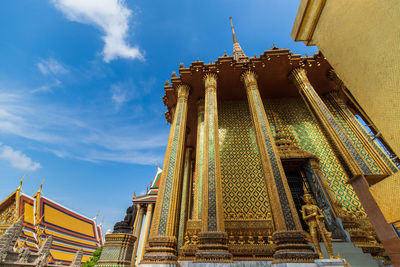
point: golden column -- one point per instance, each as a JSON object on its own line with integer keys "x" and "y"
{"x": 292, "y": 245}
{"x": 213, "y": 238}
{"x": 384, "y": 163}
{"x": 199, "y": 160}
{"x": 145, "y": 232}
{"x": 137, "y": 228}
{"x": 351, "y": 161}
{"x": 185, "y": 195}
{"x": 162, "y": 241}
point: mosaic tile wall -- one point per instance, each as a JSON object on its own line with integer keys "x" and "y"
{"x": 244, "y": 190}
{"x": 356, "y": 143}
{"x": 299, "y": 125}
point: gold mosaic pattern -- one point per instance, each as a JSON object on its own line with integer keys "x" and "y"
{"x": 352, "y": 137}
{"x": 243, "y": 186}
{"x": 297, "y": 123}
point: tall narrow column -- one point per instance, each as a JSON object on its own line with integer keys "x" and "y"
{"x": 162, "y": 241}
{"x": 137, "y": 231}
{"x": 185, "y": 195}
{"x": 292, "y": 245}
{"x": 191, "y": 194}
{"x": 352, "y": 163}
{"x": 380, "y": 158}
{"x": 213, "y": 238}
{"x": 199, "y": 160}
{"x": 145, "y": 232}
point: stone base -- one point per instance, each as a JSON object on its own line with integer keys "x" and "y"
{"x": 234, "y": 264}
{"x": 292, "y": 247}
{"x": 317, "y": 263}
{"x": 160, "y": 252}
{"x": 158, "y": 265}
{"x": 330, "y": 262}
{"x": 117, "y": 250}
{"x": 213, "y": 248}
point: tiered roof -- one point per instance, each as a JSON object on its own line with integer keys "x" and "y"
{"x": 43, "y": 217}
{"x": 151, "y": 194}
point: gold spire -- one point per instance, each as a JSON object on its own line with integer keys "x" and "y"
{"x": 233, "y": 31}
{"x": 20, "y": 182}
{"x": 238, "y": 53}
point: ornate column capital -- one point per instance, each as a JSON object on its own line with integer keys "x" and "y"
{"x": 210, "y": 81}
{"x": 183, "y": 91}
{"x": 249, "y": 78}
{"x": 299, "y": 76}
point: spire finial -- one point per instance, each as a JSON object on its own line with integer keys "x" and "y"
{"x": 237, "y": 50}
{"x": 41, "y": 186}
{"x": 20, "y": 182}
{"x": 233, "y": 31}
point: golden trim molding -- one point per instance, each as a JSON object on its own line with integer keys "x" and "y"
{"x": 306, "y": 20}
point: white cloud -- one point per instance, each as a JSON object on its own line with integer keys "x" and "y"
{"x": 118, "y": 95}
{"x": 112, "y": 16}
{"x": 18, "y": 159}
{"x": 51, "y": 66}
{"x": 91, "y": 133}
{"x": 46, "y": 88}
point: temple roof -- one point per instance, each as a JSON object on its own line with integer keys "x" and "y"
{"x": 272, "y": 69}
{"x": 151, "y": 194}
{"x": 43, "y": 217}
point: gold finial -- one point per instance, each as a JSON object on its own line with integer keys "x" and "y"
{"x": 134, "y": 195}
{"x": 156, "y": 164}
{"x": 97, "y": 215}
{"x": 233, "y": 31}
{"x": 41, "y": 186}
{"x": 20, "y": 182}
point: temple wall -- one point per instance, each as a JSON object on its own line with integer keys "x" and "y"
{"x": 361, "y": 48}
{"x": 353, "y": 138}
{"x": 244, "y": 190}
{"x": 361, "y": 43}
{"x": 299, "y": 125}
{"x": 242, "y": 175}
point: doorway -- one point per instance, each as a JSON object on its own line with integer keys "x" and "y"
{"x": 295, "y": 180}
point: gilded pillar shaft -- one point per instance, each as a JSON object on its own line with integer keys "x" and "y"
{"x": 378, "y": 155}
{"x": 352, "y": 162}
{"x": 290, "y": 241}
{"x": 137, "y": 218}
{"x": 137, "y": 231}
{"x": 162, "y": 242}
{"x": 283, "y": 209}
{"x": 212, "y": 213}
{"x": 184, "y": 211}
{"x": 199, "y": 161}
{"x": 191, "y": 195}
{"x": 145, "y": 231}
{"x": 213, "y": 238}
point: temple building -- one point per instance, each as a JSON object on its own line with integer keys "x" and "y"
{"x": 259, "y": 166}
{"x": 41, "y": 218}
{"x": 361, "y": 52}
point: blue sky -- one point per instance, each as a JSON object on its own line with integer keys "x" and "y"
{"x": 81, "y": 85}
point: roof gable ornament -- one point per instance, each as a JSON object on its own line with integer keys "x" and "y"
{"x": 238, "y": 53}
